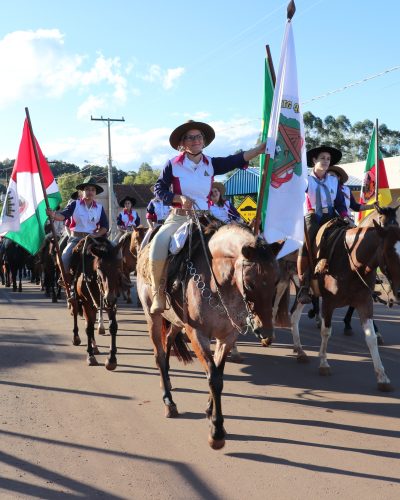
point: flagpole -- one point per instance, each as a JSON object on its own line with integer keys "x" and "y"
{"x": 266, "y": 163}
{"x": 376, "y": 162}
{"x": 57, "y": 247}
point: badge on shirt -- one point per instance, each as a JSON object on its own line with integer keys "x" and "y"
{"x": 206, "y": 173}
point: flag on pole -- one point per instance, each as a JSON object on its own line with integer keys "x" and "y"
{"x": 368, "y": 195}
{"x": 24, "y": 210}
{"x": 267, "y": 105}
{"x": 287, "y": 164}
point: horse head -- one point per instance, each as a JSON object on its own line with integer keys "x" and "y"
{"x": 257, "y": 273}
{"x": 106, "y": 265}
{"x": 387, "y": 215}
{"x": 137, "y": 237}
{"x": 389, "y": 261}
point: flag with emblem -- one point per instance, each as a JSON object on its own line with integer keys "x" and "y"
{"x": 368, "y": 190}
{"x": 24, "y": 210}
{"x": 287, "y": 158}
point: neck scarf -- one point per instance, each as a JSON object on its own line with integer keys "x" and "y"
{"x": 318, "y": 204}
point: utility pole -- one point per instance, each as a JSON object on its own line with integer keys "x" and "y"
{"x": 110, "y": 177}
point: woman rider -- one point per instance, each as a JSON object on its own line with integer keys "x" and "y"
{"x": 185, "y": 183}
{"x": 220, "y": 208}
{"x": 323, "y": 198}
{"x": 347, "y": 194}
{"x": 128, "y": 218}
{"x": 86, "y": 217}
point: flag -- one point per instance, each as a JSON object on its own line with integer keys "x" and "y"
{"x": 368, "y": 195}
{"x": 268, "y": 96}
{"x": 287, "y": 164}
{"x": 24, "y": 210}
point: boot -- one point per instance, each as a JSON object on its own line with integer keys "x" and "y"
{"x": 304, "y": 277}
{"x": 158, "y": 282}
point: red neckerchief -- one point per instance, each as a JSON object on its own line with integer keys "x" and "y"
{"x": 129, "y": 214}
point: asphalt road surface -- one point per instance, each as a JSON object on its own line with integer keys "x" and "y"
{"x": 72, "y": 431}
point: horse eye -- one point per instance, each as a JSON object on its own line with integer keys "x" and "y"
{"x": 249, "y": 286}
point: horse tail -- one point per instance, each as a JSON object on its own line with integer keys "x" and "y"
{"x": 181, "y": 350}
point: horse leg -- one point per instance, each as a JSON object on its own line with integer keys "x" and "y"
{"x": 111, "y": 361}
{"x": 384, "y": 384}
{"x": 90, "y": 317}
{"x": 20, "y": 279}
{"x": 236, "y": 357}
{"x": 100, "y": 321}
{"x": 379, "y": 337}
{"x": 297, "y": 347}
{"x": 348, "y": 330}
{"x": 76, "y": 340}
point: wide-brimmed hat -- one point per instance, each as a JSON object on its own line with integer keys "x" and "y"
{"x": 340, "y": 172}
{"x": 176, "y": 136}
{"x": 219, "y": 186}
{"x": 89, "y": 181}
{"x": 74, "y": 195}
{"x": 336, "y": 155}
{"x": 127, "y": 198}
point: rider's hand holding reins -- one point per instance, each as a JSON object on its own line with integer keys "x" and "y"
{"x": 185, "y": 201}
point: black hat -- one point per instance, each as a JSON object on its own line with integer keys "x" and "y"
{"x": 127, "y": 198}
{"x": 74, "y": 195}
{"x": 340, "y": 172}
{"x": 176, "y": 136}
{"x": 336, "y": 155}
{"x": 89, "y": 181}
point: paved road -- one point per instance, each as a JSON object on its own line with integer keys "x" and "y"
{"x": 70, "y": 431}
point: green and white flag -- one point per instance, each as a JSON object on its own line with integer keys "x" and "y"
{"x": 287, "y": 164}
{"x": 24, "y": 210}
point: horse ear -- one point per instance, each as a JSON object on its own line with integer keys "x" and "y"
{"x": 379, "y": 229}
{"x": 276, "y": 247}
{"x": 248, "y": 252}
{"x": 377, "y": 207}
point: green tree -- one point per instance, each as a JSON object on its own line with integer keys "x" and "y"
{"x": 67, "y": 185}
{"x": 130, "y": 178}
{"x": 146, "y": 174}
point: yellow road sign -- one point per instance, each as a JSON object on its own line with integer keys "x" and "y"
{"x": 247, "y": 209}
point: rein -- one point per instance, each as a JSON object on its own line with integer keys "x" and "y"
{"x": 374, "y": 294}
{"x": 202, "y": 286}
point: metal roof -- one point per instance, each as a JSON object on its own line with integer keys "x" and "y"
{"x": 246, "y": 182}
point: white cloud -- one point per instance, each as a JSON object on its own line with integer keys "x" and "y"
{"x": 167, "y": 78}
{"x": 90, "y": 106}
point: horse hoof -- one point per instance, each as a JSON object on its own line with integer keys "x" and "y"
{"x": 385, "y": 387}
{"x": 92, "y": 361}
{"x": 311, "y": 314}
{"x": 236, "y": 358}
{"x": 101, "y": 331}
{"x": 95, "y": 349}
{"x": 111, "y": 365}
{"x": 324, "y": 371}
{"x": 302, "y": 358}
{"x": 216, "y": 444}
{"x": 379, "y": 340}
{"x": 266, "y": 342}
{"x": 76, "y": 341}
{"x": 171, "y": 411}
{"x": 348, "y": 330}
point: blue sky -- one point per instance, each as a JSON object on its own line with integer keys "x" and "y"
{"x": 160, "y": 63}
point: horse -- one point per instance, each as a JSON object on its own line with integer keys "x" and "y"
{"x": 130, "y": 246}
{"x": 227, "y": 286}
{"x": 350, "y": 280}
{"x": 51, "y": 271}
{"x": 14, "y": 258}
{"x": 97, "y": 269}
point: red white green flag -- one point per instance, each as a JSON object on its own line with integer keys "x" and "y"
{"x": 368, "y": 190}
{"x": 24, "y": 211}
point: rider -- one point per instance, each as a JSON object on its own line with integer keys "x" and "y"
{"x": 156, "y": 212}
{"x": 128, "y": 218}
{"x": 323, "y": 197}
{"x": 87, "y": 218}
{"x": 220, "y": 208}
{"x": 190, "y": 176}
{"x": 348, "y": 195}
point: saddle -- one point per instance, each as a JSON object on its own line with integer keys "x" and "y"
{"x": 326, "y": 240}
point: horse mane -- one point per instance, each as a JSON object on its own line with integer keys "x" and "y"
{"x": 99, "y": 247}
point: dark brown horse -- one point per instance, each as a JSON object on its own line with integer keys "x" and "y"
{"x": 351, "y": 281}
{"x": 98, "y": 277}
{"x": 130, "y": 246}
{"x": 218, "y": 296}
{"x": 50, "y": 269}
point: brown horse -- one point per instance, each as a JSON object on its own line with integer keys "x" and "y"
{"x": 220, "y": 293}
{"x": 98, "y": 278}
{"x": 351, "y": 281}
{"x": 130, "y": 246}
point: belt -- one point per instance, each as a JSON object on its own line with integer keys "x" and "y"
{"x": 161, "y": 221}
{"x": 181, "y": 211}
{"x": 78, "y": 234}
{"x": 325, "y": 210}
